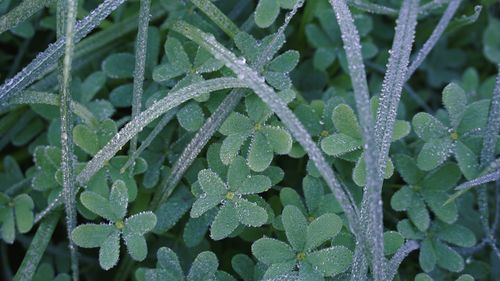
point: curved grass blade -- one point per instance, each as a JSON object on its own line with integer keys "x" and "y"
{"x": 22, "y": 12}
{"x": 37, "y": 247}
{"x": 44, "y": 59}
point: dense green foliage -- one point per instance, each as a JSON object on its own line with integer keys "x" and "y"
{"x": 249, "y": 140}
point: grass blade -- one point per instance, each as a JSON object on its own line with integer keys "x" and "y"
{"x": 22, "y": 12}
{"x": 44, "y": 59}
{"x": 37, "y": 247}
{"x": 433, "y": 39}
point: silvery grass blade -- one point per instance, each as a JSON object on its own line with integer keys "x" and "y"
{"x": 372, "y": 8}
{"x": 392, "y": 87}
{"x": 217, "y": 16}
{"x": 433, "y": 39}
{"x": 22, "y": 12}
{"x": 256, "y": 82}
{"x": 34, "y": 69}
{"x": 37, "y": 248}
{"x": 172, "y": 100}
{"x": 352, "y": 46}
{"x": 67, "y": 14}
{"x": 399, "y": 256}
{"x": 140, "y": 65}
{"x": 466, "y": 186}
{"x": 488, "y": 153}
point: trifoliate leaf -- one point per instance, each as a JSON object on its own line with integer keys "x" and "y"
{"x": 427, "y": 127}
{"x": 250, "y": 213}
{"x": 345, "y": 121}
{"x": 392, "y": 241}
{"x": 224, "y": 223}
{"x": 320, "y": 230}
{"x": 434, "y": 153}
{"x": 331, "y": 261}
{"x": 455, "y": 102}
{"x": 119, "y": 65}
{"x": 266, "y": 12}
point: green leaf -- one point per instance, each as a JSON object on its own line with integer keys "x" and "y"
{"x": 427, "y": 257}
{"x": 260, "y": 153}
{"x": 279, "y": 139}
{"x": 320, "y": 230}
{"x": 140, "y": 223}
{"x": 191, "y": 116}
{"x": 23, "y": 208}
{"x": 289, "y": 196}
{"x": 118, "y": 199}
{"x": 254, "y": 185}
{"x": 285, "y": 62}
{"x": 109, "y": 252}
{"x": 136, "y": 246}
{"x": 119, "y": 65}
{"x": 467, "y": 160}
{"x": 92, "y": 235}
{"x": 359, "y": 171}
{"x": 331, "y": 261}
{"x": 211, "y": 183}
{"x": 418, "y": 214}
{"x": 271, "y": 251}
{"x": 167, "y": 260}
{"x": 224, "y": 223}
{"x": 455, "y": 102}
{"x": 434, "y": 153}
{"x": 491, "y": 41}
{"x": 427, "y": 127}
{"x": 407, "y": 168}
{"x": 266, "y": 12}
{"x": 176, "y": 54}
{"x": 173, "y": 209}
{"x": 392, "y": 241}
{"x": 250, "y": 213}
{"x": 166, "y": 72}
{"x": 236, "y": 123}
{"x": 457, "y": 234}
{"x": 448, "y": 258}
{"x": 8, "y": 226}
{"x": 86, "y": 139}
{"x": 475, "y": 117}
{"x": 203, "y": 267}
{"x": 442, "y": 179}
{"x": 339, "y": 144}
{"x": 423, "y": 277}
{"x": 98, "y": 205}
{"x": 465, "y": 277}
{"x": 345, "y": 121}
{"x": 231, "y": 146}
{"x": 437, "y": 203}
{"x": 401, "y": 200}
{"x": 295, "y": 227}
{"x": 205, "y": 203}
{"x": 313, "y": 192}
{"x": 401, "y": 129}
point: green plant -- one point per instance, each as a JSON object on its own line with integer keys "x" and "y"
{"x": 250, "y": 140}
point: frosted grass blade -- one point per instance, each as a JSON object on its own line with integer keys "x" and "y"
{"x": 218, "y": 17}
{"x": 37, "y": 247}
{"x": 67, "y": 15}
{"x": 44, "y": 59}
{"x": 399, "y": 256}
{"x": 140, "y": 64}
{"x": 136, "y": 125}
{"x": 22, "y": 12}
{"x": 433, "y": 39}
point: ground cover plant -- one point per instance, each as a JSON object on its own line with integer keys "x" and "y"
{"x": 249, "y": 140}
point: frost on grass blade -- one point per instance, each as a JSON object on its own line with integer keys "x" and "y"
{"x": 46, "y": 58}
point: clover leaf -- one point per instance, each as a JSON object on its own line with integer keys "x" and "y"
{"x": 267, "y": 11}
{"x": 316, "y": 201}
{"x": 301, "y": 252}
{"x": 265, "y": 139}
{"x": 425, "y": 191}
{"x": 434, "y": 244}
{"x": 106, "y": 236}
{"x": 454, "y": 136}
{"x": 203, "y": 268}
{"x": 348, "y": 142}
{"x": 230, "y": 199}
{"x": 276, "y": 71}
{"x": 425, "y": 277}
{"x": 15, "y": 213}
{"x": 491, "y": 40}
